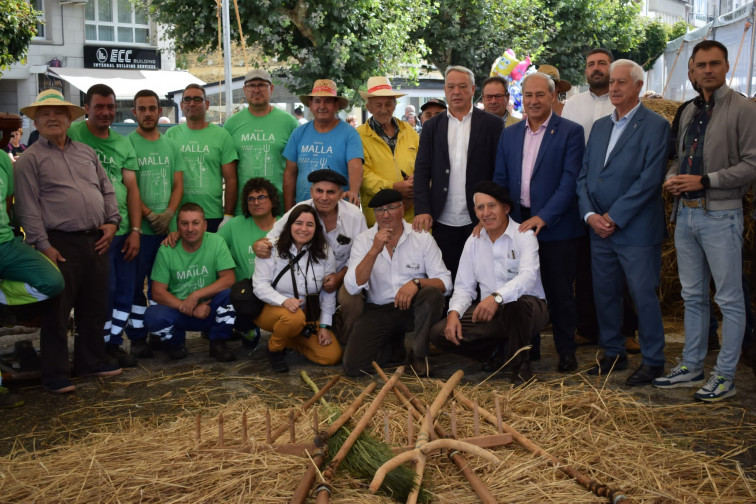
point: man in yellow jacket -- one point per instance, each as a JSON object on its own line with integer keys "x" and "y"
{"x": 390, "y": 147}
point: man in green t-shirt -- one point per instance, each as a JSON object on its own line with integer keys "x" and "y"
{"x": 26, "y": 276}
{"x": 210, "y": 159}
{"x": 260, "y": 134}
{"x": 119, "y": 161}
{"x": 161, "y": 186}
{"x": 191, "y": 283}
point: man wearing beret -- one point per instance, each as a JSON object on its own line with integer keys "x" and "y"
{"x": 503, "y": 265}
{"x": 405, "y": 280}
{"x": 342, "y": 223}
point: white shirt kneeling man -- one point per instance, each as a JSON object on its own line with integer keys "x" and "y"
{"x": 503, "y": 262}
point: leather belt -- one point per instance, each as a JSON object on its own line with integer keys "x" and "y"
{"x": 694, "y": 203}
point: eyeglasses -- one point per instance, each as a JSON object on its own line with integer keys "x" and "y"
{"x": 190, "y": 99}
{"x": 387, "y": 209}
{"x": 260, "y": 199}
{"x": 490, "y": 97}
{"x": 257, "y": 87}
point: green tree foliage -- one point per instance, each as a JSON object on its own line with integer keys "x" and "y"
{"x": 18, "y": 27}
{"x": 474, "y": 33}
{"x": 344, "y": 40}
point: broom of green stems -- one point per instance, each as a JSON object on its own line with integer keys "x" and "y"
{"x": 367, "y": 455}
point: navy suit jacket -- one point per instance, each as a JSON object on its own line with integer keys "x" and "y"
{"x": 554, "y": 179}
{"x": 629, "y": 184}
{"x": 431, "y": 183}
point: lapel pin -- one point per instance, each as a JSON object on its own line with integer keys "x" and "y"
{"x": 552, "y": 132}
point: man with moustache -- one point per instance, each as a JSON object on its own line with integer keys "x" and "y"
{"x": 390, "y": 148}
{"x": 117, "y": 156}
{"x": 619, "y": 193}
{"x": 260, "y": 134}
{"x": 457, "y": 150}
{"x": 538, "y": 161}
{"x": 209, "y": 158}
{"x": 590, "y": 106}
{"x": 70, "y": 215}
{"x": 161, "y": 187}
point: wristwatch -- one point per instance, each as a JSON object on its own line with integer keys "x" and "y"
{"x": 705, "y": 182}
{"x": 137, "y": 229}
{"x": 497, "y": 297}
{"x": 416, "y": 281}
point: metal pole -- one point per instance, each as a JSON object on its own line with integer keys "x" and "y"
{"x": 749, "y": 92}
{"x": 227, "y": 56}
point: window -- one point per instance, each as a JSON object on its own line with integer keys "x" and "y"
{"x": 39, "y": 5}
{"x": 116, "y": 21}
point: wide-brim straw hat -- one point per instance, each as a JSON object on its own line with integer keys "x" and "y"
{"x": 327, "y": 88}
{"x": 562, "y": 86}
{"x": 380, "y": 86}
{"x": 52, "y": 98}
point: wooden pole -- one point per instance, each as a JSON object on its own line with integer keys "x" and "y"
{"x": 300, "y": 494}
{"x": 323, "y": 492}
{"x": 296, "y": 414}
{"x": 740, "y": 47}
{"x": 592, "y": 485}
{"x": 418, "y": 411}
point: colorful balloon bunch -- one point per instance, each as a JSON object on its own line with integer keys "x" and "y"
{"x": 511, "y": 68}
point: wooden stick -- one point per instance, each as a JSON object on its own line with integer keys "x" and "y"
{"x": 416, "y": 407}
{"x": 292, "y": 431}
{"x": 592, "y": 485}
{"x": 454, "y": 419}
{"x": 315, "y": 421}
{"x": 420, "y": 453}
{"x": 425, "y": 431}
{"x": 410, "y": 428}
{"x": 386, "y": 432}
{"x": 323, "y": 491}
{"x": 303, "y": 489}
{"x": 306, "y": 378}
{"x": 220, "y": 430}
{"x": 476, "y": 419}
{"x": 268, "y": 439}
{"x": 499, "y": 426}
{"x": 318, "y": 396}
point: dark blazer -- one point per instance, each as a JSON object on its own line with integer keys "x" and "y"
{"x": 628, "y": 185}
{"x": 554, "y": 180}
{"x": 431, "y": 182}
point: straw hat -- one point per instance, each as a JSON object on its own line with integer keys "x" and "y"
{"x": 380, "y": 86}
{"x": 327, "y": 88}
{"x": 562, "y": 86}
{"x": 52, "y": 98}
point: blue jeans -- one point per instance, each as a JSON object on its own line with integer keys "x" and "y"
{"x": 171, "y": 325}
{"x": 709, "y": 244}
{"x": 146, "y": 258}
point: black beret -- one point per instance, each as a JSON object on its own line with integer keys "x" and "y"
{"x": 495, "y": 191}
{"x": 327, "y": 175}
{"x": 432, "y": 101}
{"x": 385, "y": 197}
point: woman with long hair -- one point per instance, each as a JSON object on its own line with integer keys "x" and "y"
{"x": 297, "y": 310}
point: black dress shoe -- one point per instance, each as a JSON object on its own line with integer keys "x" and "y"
{"x": 644, "y": 375}
{"x": 278, "y": 362}
{"x": 521, "y": 374}
{"x": 496, "y": 360}
{"x": 567, "y": 363}
{"x": 607, "y": 364}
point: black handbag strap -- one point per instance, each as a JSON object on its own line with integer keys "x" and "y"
{"x": 288, "y": 267}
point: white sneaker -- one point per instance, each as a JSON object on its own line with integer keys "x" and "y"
{"x": 679, "y": 376}
{"x": 717, "y": 388}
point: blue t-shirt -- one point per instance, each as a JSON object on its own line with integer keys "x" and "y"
{"x": 317, "y": 151}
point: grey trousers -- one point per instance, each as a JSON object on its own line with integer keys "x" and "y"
{"x": 514, "y": 323}
{"x": 382, "y": 325}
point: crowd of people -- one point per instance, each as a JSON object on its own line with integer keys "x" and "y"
{"x": 474, "y": 234}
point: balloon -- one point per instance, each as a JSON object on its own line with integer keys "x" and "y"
{"x": 519, "y": 71}
{"x": 505, "y": 63}
{"x": 515, "y": 96}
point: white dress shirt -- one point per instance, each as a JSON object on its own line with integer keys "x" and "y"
{"x": 455, "y": 211}
{"x": 266, "y": 270}
{"x": 586, "y": 108}
{"x": 416, "y": 256}
{"x": 509, "y": 266}
{"x": 349, "y": 223}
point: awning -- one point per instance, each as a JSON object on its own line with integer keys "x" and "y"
{"x": 126, "y": 83}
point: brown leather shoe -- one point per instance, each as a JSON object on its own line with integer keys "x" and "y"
{"x": 631, "y": 345}
{"x": 582, "y": 340}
